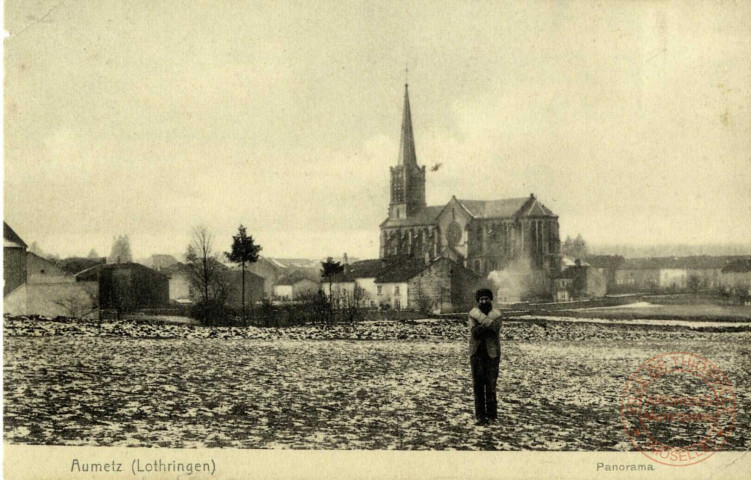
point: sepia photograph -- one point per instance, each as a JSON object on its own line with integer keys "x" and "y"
{"x": 376, "y": 239}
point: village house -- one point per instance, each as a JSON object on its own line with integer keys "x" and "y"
{"x": 74, "y": 265}
{"x": 272, "y": 269}
{"x": 254, "y": 287}
{"x": 160, "y": 261}
{"x": 563, "y": 286}
{"x": 179, "y": 284}
{"x": 41, "y": 270}
{"x": 268, "y": 269}
{"x": 609, "y": 265}
{"x": 39, "y": 286}
{"x": 441, "y": 285}
{"x": 638, "y": 275}
{"x": 671, "y": 273}
{"x": 735, "y": 278}
{"x": 14, "y": 260}
{"x": 128, "y": 286}
{"x": 294, "y": 286}
{"x": 706, "y": 270}
{"x": 182, "y": 292}
{"x": 580, "y": 281}
{"x": 356, "y": 282}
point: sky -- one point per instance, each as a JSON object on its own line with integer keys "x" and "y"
{"x": 630, "y": 120}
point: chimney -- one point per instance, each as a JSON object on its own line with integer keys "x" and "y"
{"x": 346, "y": 261}
{"x": 578, "y": 262}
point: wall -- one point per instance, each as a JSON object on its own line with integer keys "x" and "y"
{"x": 270, "y": 273}
{"x": 638, "y": 279}
{"x": 597, "y": 282}
{"x": 454, "y": 213}
{"x": 431, "y": 289}
{"x": 304, "y": 287}
{"x": 282, "y": 292}
{"x": 53, "y": 299}
{"x": 708, "y": 277}
{"x": 130, "y": 286}
{"x": 179, "y": 287}
{"x": 562, "y": 295}
{"x": 674, "y": 278}
{"x": 734, "y": 281}
{"x": 494, "y": 243}
{"x": 339, "y": 288}
{"x": 14, "y": 268}
{"x": 41, "y": 270}
{"x": 397, "y": 301}
{"x": 443, "y": 287}
{"x": 254, "y": 287}
{"x": 369, "y": 291}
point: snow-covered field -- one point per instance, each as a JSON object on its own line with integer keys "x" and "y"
{"x": 381, "y": 385}
{"x": 677, "y": 312}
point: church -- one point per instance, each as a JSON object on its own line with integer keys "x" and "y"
{"x": 482, "y": 235}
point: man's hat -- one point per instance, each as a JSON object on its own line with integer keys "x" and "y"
{"x": 484, "y": 292}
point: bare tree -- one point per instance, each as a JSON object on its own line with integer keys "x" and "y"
{"x": 78, "y": 304}
{"x": 205, "y": 272}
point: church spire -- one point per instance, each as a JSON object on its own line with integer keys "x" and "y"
{"x": 407, "y": 155}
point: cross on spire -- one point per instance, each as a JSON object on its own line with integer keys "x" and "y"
{"x": 406, "y": 75}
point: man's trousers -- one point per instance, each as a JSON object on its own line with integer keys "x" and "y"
{"x": 484, "y": 381}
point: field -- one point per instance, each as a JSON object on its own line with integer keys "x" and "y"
{"x": 643, "y": 309}
{"x": 379, "y": 385}
{"x": 647, "y": 310}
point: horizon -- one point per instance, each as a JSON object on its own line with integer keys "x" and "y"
{"x": 286, "y": 120}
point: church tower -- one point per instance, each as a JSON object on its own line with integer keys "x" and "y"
{"x": 407, "y": 178}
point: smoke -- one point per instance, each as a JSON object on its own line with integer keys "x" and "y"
{"x": 514, "y": 283}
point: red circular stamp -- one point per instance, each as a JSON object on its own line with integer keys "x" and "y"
{"x": 678, "y": 408}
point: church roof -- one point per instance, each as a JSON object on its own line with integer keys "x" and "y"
{"x": 507, "y": 207}
{"x": 503, "y": 208}
{"x": 426, "y": 216}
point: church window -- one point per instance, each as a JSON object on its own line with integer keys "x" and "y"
{"x": 477, "y": 266}
{"x": 454, "y": 234}
{"x": 380, "y": 289}
{"x": 396, "y": 290}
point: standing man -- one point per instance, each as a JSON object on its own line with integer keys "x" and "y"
{"x": 484, "y": 355}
